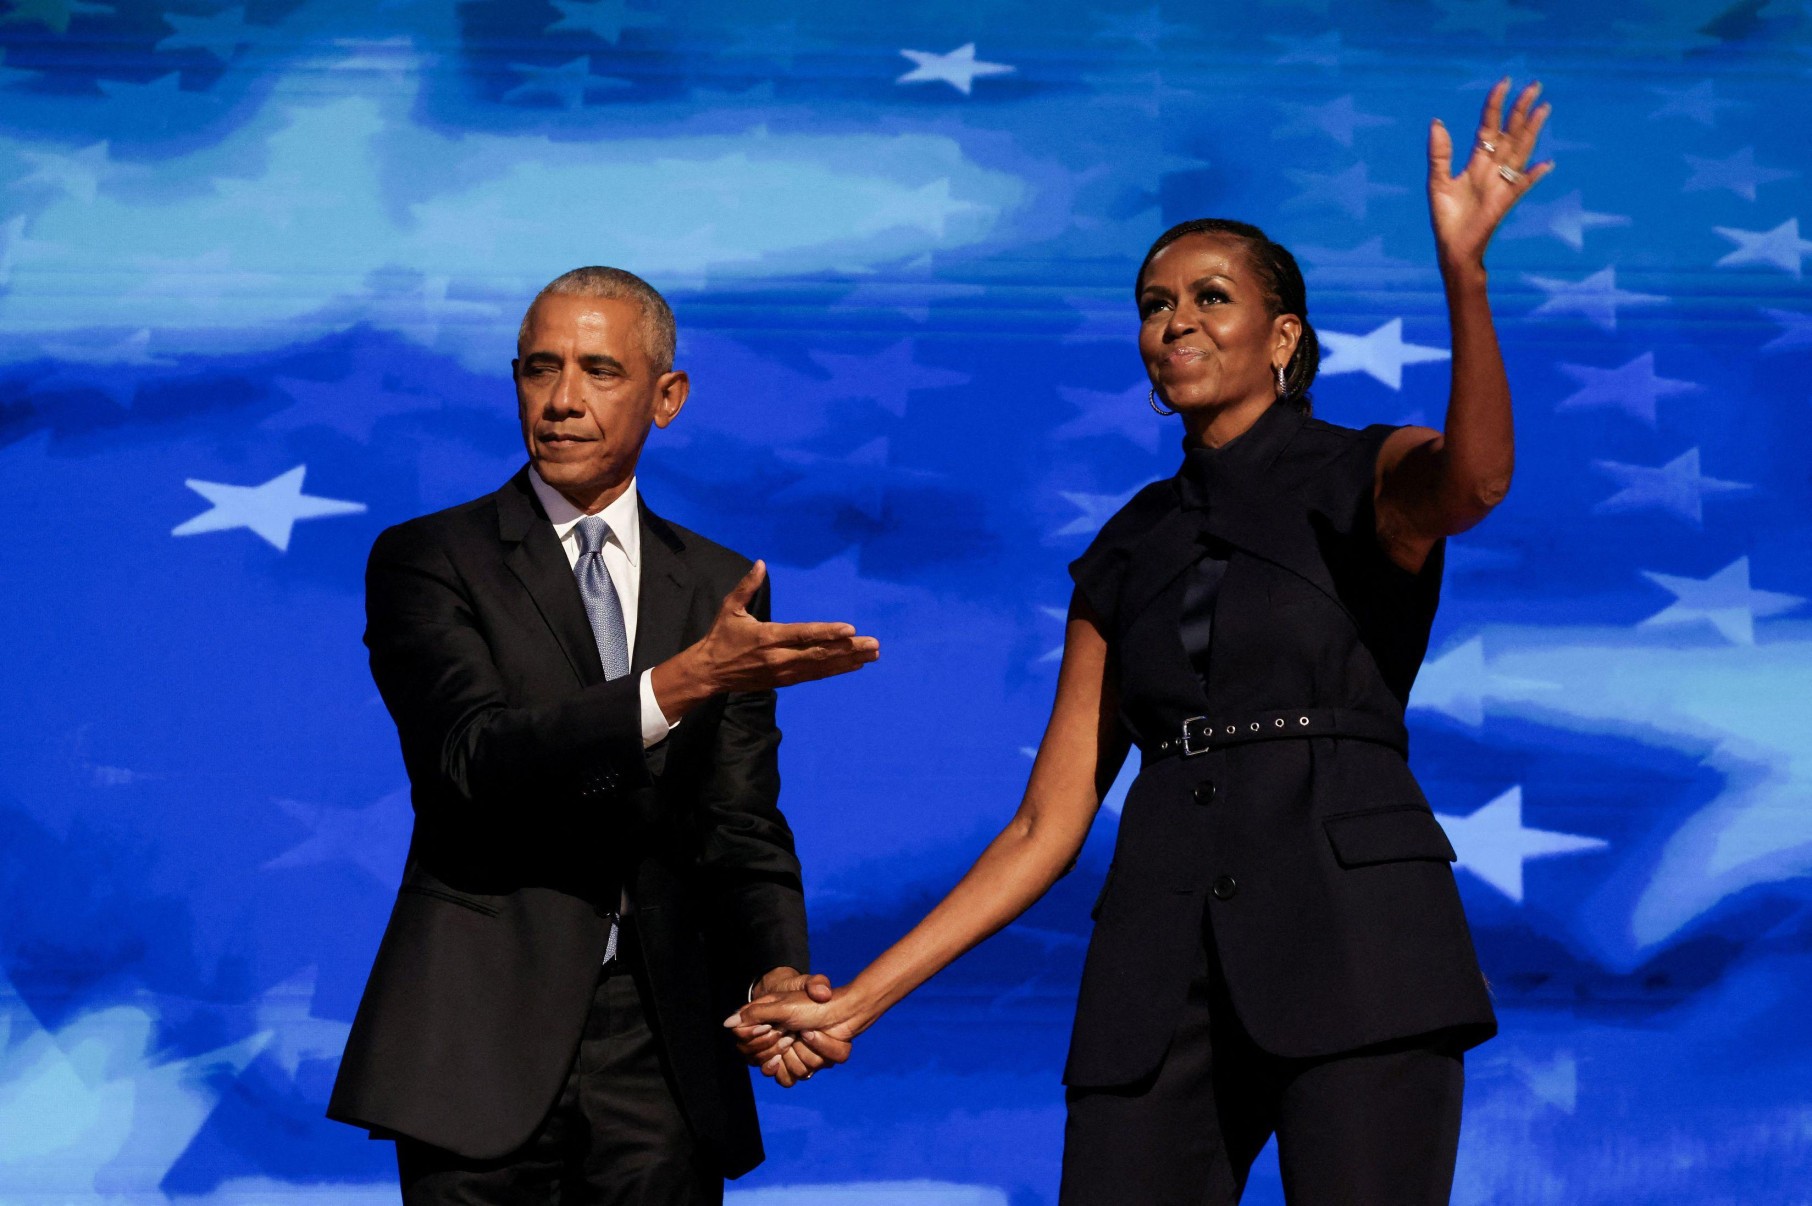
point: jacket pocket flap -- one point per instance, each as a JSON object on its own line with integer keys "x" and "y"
{"x": 1387, "y": 835}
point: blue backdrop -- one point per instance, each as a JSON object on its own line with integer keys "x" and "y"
{"x": 260, "y": 269}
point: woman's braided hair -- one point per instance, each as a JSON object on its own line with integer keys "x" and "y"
{"x": 1284, "y": 290}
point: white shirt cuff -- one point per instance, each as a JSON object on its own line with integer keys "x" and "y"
{"x": 654, "y": 725}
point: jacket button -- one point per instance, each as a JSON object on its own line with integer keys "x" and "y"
{"x": 1204, "y": 792}
{"x": 1226, "y": 888}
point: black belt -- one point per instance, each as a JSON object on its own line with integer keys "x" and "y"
{"x": 1200, "y": 734}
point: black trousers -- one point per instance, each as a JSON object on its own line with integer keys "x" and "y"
{"x": 1375, "y": 1127}
{"x": 615, "y": 1136}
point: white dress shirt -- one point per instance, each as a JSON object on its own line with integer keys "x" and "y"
{"x": 623, "y": 558}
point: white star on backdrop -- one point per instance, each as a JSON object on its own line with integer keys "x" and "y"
{"x": 959, "y": 68}
{"x": 1126, "y": 414}
{"x": 1380, "y": 354}
{"x": 1458, "y": 683}
{"x": 271, "y": 510}
{"x": 1494, "y": 844}
{"x": 1368, "y": 256}
{"x": 286, "y": 1014}
{"x": 1055, "y": 652}
{"x": 1676, "y": 487}
{"x": 374, "y": 838}
{"x": 52, "y": 14}
{"x": 887, "y": 377}
{"x": 1564, "y": 218}
{"x": 605, "y": 18}
{"x": 1632, "y": 388}
{"x": 1700, "y": 102}
{"x": 1778, "y": 248}
{"x": 1725, "y": 600}
{"x": 568, "y": 83}
{"x": 1595, "y": 298}
{"x": 1796, "y": 330}
{"x": 77, "y": 173}
{"x": 1096, "y": 510}
{"x": 220, "y": 34}
{"x": 1339, "y": 119}
{"x": 929, "y": 208}
{"x": 1554, "y": 1082}
{"x": 1740, "y": 173}
{"x": 1348, "y": 191}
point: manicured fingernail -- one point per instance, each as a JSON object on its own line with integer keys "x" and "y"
{"x": 734, "y": 1019}
{"x": 785, "y": 1042}
{"x": 809, "y": 1035}
{"x": 771, "y": 1064}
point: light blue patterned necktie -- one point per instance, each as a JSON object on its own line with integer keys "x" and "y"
{"x": 605, "y": 611}
{"x": 602, "y": 607}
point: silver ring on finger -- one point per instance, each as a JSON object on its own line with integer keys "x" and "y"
{"x": 1489, "y": 147}
{"x": 1511, "y": 176}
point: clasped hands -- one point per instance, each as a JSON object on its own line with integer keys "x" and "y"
{"x": 791, "y": 1028}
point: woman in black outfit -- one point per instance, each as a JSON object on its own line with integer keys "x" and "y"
{"x": 1279, "y": 947}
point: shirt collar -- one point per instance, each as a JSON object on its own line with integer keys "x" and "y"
{"x": 624, "y": 515}
{"x": 1251, "y": 451}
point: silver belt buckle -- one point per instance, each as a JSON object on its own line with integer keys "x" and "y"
{"x": 1196, "y": 734}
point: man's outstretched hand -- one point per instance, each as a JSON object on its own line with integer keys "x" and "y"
{"x": 742, "y": 653}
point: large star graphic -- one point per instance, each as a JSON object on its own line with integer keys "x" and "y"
{"x": 1725, "y": 600}
{"x": 1595, "y": 298}
{"x": 568, "y": 83}
{"x": 285, "y": 1014}
{"x": 1148, "y": 27}
{"x": 1676, "y": 487}
{"x": 1459, "y": 683}
{"x": 1126, "y": 413}
{"x": 1740, "y": 173}
{"x": 860, "y": 480}
{"x": 959, "y": 68}
{"x": 1339, "y": 119}
{"x": 374, "y": 838}
{"x": 1778, "y": 248}
{"x": 271, "y": 510}
{"x": 1700, "y": 103}
{"x": 1796, "y": 330}
{"x": 1564, "y": 218}
{"x": 1494, "y": 844}
{"x": 1096, "y": 510}
{"x": 605, "y": 18}
{"x": 77, "y": 173}
{"x": 220, "y": 34}
{"x": 1632, "y": 388}
{"x": 1380, "y": 354}
{"x": 1349, "y": 191}
{"x": 887, "y": 377}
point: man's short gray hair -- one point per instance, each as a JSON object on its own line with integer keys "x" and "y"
{"x": 659, "y": 334}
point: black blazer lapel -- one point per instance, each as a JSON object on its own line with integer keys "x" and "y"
{"x": 664, "y": 603}
{"x": 533, "y": 553}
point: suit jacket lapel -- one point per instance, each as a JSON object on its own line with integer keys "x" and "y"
{"x": 664, "y": 604}
{"x": 533, "y": 553}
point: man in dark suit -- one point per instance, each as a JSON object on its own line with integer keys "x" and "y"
{"x": 599, "y": 871}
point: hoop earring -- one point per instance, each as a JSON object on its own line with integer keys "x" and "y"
{"x": 1151, "y": 399}
{"x": 1283, "y": 387}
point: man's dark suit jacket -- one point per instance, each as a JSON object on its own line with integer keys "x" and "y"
{"x": 534, "y": 804}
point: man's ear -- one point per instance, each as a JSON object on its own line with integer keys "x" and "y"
{"x": 515, "y": 369}
{"x": 670, "y": 396}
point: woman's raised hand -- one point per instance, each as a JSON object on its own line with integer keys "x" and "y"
{"x": 1467, "y": 208}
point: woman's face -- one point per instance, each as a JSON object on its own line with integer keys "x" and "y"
{"x": 1206, "y": 332}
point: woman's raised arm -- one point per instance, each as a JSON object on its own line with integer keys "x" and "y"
{"x": 1432, "y": 484}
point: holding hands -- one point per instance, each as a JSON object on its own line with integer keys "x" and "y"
{"x": 795, "y": 1027}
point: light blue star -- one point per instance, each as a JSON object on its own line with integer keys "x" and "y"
{"x": 271, "y": 510}
{"x": 1725, "y": 601}
{"x": 374, "y": 838}
{"x": 1368, "y": 256}
{"x": 1676, "y": 487}
{"x": 75, "y": 173}
{"x": 1459, "y": 683}
{"x": 1148, "y": 28}
{"x": 959, "y": 68}
{"x": 1349, "y": 191}
{"x": 1595, "y": 298}
{"x": 859, "y": 481}
{"x": 1490, "y": 17}
{"x": 1796, "y": 330}
{"x": 1322, "y": 50}
{"x": 1494, "y": 844}
{"x": 929, "y": 208}
{"x": 1564, "y": 218}
{"x": 606, "y": 19}
{"x": 285, "y": 1013}
{"x": 568, "y": 83}
{"x": 1380, "y": 354}
{"x": 1145, "y": 91}
{"x": 96, "y": 368}
{"x": 353, "y": 404}
{"x": 1339, "y": 119}
{"x": 1778, "y": 248}
{"x": 1700, "y": 102}
{"x": 1096, "y": 510}
{"x": 1632, "y": 388}
{"x": 1740, "y": 174}
{"x": 220, "y": 34}
{"x": 887, "y": 377}
{"x": 52, "y": 14}
{"x": 1126, "y": 414}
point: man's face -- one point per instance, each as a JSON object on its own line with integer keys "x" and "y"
{"x": 586, "y": 392}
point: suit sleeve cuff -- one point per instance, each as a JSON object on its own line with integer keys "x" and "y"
{"x": 654, "y": 724}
